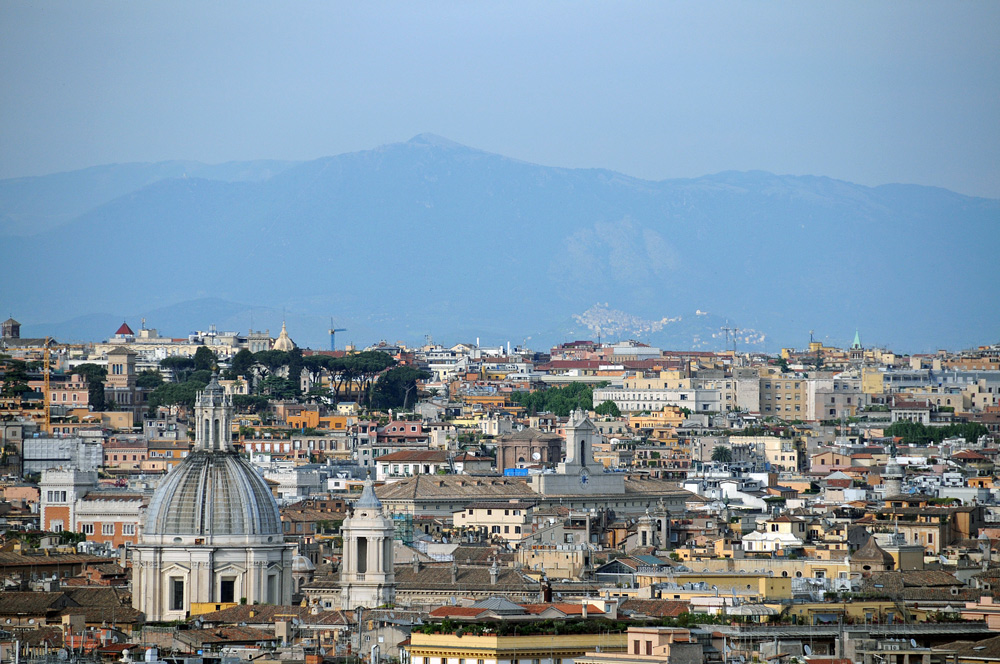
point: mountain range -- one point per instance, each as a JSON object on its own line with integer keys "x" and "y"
{"x": 429, "y": 237}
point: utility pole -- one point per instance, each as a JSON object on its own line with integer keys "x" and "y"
{"x": 47, "y": 396}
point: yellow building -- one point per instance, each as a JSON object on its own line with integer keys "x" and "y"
{"x": 856, "y": 610}
{"x": 669, "y": 417}
{"x": 493, "y": 649}
{"x": 310, "y": 419}
{"x": 872, "y": 382}
{"x": 651, "y": 645}
{"x": 759, "y": 587}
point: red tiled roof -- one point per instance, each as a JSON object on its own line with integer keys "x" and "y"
{"x": 125, "y": 329}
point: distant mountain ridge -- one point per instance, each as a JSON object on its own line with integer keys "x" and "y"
{"x": 432, "y": 237}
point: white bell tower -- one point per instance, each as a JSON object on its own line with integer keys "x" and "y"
{"x": 366, "y": 577}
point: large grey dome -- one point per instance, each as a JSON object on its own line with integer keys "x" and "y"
{"x": 213, "y": 493}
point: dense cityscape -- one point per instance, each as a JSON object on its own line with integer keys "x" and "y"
{"x": 235, "y": 497}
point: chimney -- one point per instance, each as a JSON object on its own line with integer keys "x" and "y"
{"x": 416, "y": 564}
{"x": 454, "y": 572}
{"x": 494, "y": 572}
{"x": 584, "y": 607}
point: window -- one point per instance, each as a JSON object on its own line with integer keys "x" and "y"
{"x": 649, "y": 647}
{"x": 176, "y": 593}
{"x": 107, "y": 529}
{"x": 635, "y": 647}
{"x": 128, "y": 529}
{"x": 227, "y": 589}
{"x": 87, "y": 529}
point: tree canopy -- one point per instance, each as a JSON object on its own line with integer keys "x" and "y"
{"x": 95, "y": 376}
{"x": 240, "y": 365}
{"x": 397, "y": 387}
{"x": 558, "y": 400}
{"x": 15, "y": 379}
{"x": 149, "y": 380}
{"x": 722, "y": 454}
{"x": 919, "y": 434}
{"x": 608, "y": 408}
{"x": 205, "y": 359}
{"x": 176, "y": 394}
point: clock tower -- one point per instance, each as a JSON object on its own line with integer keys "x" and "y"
{"x": 579, "y": 473}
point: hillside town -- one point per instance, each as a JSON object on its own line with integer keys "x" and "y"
{"x": 232, "y": 497}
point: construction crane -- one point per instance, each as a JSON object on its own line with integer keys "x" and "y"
{"x": 46, "y": 395}
{"x": 333, "y": 334}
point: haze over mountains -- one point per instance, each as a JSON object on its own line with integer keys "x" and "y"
{"x": 432, "y": 237}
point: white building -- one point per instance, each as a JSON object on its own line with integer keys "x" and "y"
{"x": 366, "y": 577}
{"x": 213, "y": 531}
{"x": 637, "y": 400}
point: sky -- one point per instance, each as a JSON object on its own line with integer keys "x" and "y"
{"x": 870, "y": 92}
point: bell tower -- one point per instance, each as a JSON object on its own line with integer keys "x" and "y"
{"x": 367, "y": 578}
{"x": 213, "y": 413}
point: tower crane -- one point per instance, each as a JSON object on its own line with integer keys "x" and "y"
{"x": 333, "y": 334}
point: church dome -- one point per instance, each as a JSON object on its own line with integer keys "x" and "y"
{"x": 213, "y": 493}
{"x": 302, "y": 564}
{"x": 284, "y": 342}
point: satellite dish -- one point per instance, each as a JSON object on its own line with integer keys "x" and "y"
{"x": 536, "y": 456}
{"x": 913, "y": 642}
{"x": 62, "y": 655}
{"x": 807, "y": 650}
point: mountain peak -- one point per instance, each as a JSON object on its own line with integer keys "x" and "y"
{"x": 433, "y": 140}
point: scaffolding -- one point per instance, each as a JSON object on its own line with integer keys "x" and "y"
{"x": 403, "y": 524}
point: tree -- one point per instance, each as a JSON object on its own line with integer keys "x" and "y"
{"x": 397, "y": 387}
{"x": 149, "y": 380}
{"x": 365, "y": 367}
{"x": 295, "y": 366}
{"x": 245, "y": 403}
{"x": 95, "y": 376}
{"x": 783, "y": 364}
{"x": 205, "y": 359}
{"x": 278, "y": 388}
{"x": 15, "y": 379}
{"x": 722, "y": 454}
{"x": 608, "y": 408}
{"x": 175, "y": 394}
{"x": 557, "y": 400}
{"x": 240, "y": 365}
{"x": 180, "y": 366}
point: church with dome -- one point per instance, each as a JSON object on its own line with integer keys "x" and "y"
{"x": 213, "y": 531}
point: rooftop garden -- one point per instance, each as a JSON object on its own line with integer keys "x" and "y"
{"x": 555, "y": 627}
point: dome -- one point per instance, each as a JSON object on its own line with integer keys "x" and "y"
{"x": 212, "y": 493}
{"x": 284, "y": 342}
{"x": 302, "y": 564}
{"x": 871, "y": 552}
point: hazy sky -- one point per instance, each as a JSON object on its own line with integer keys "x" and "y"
{"x": 871, "y": 92}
